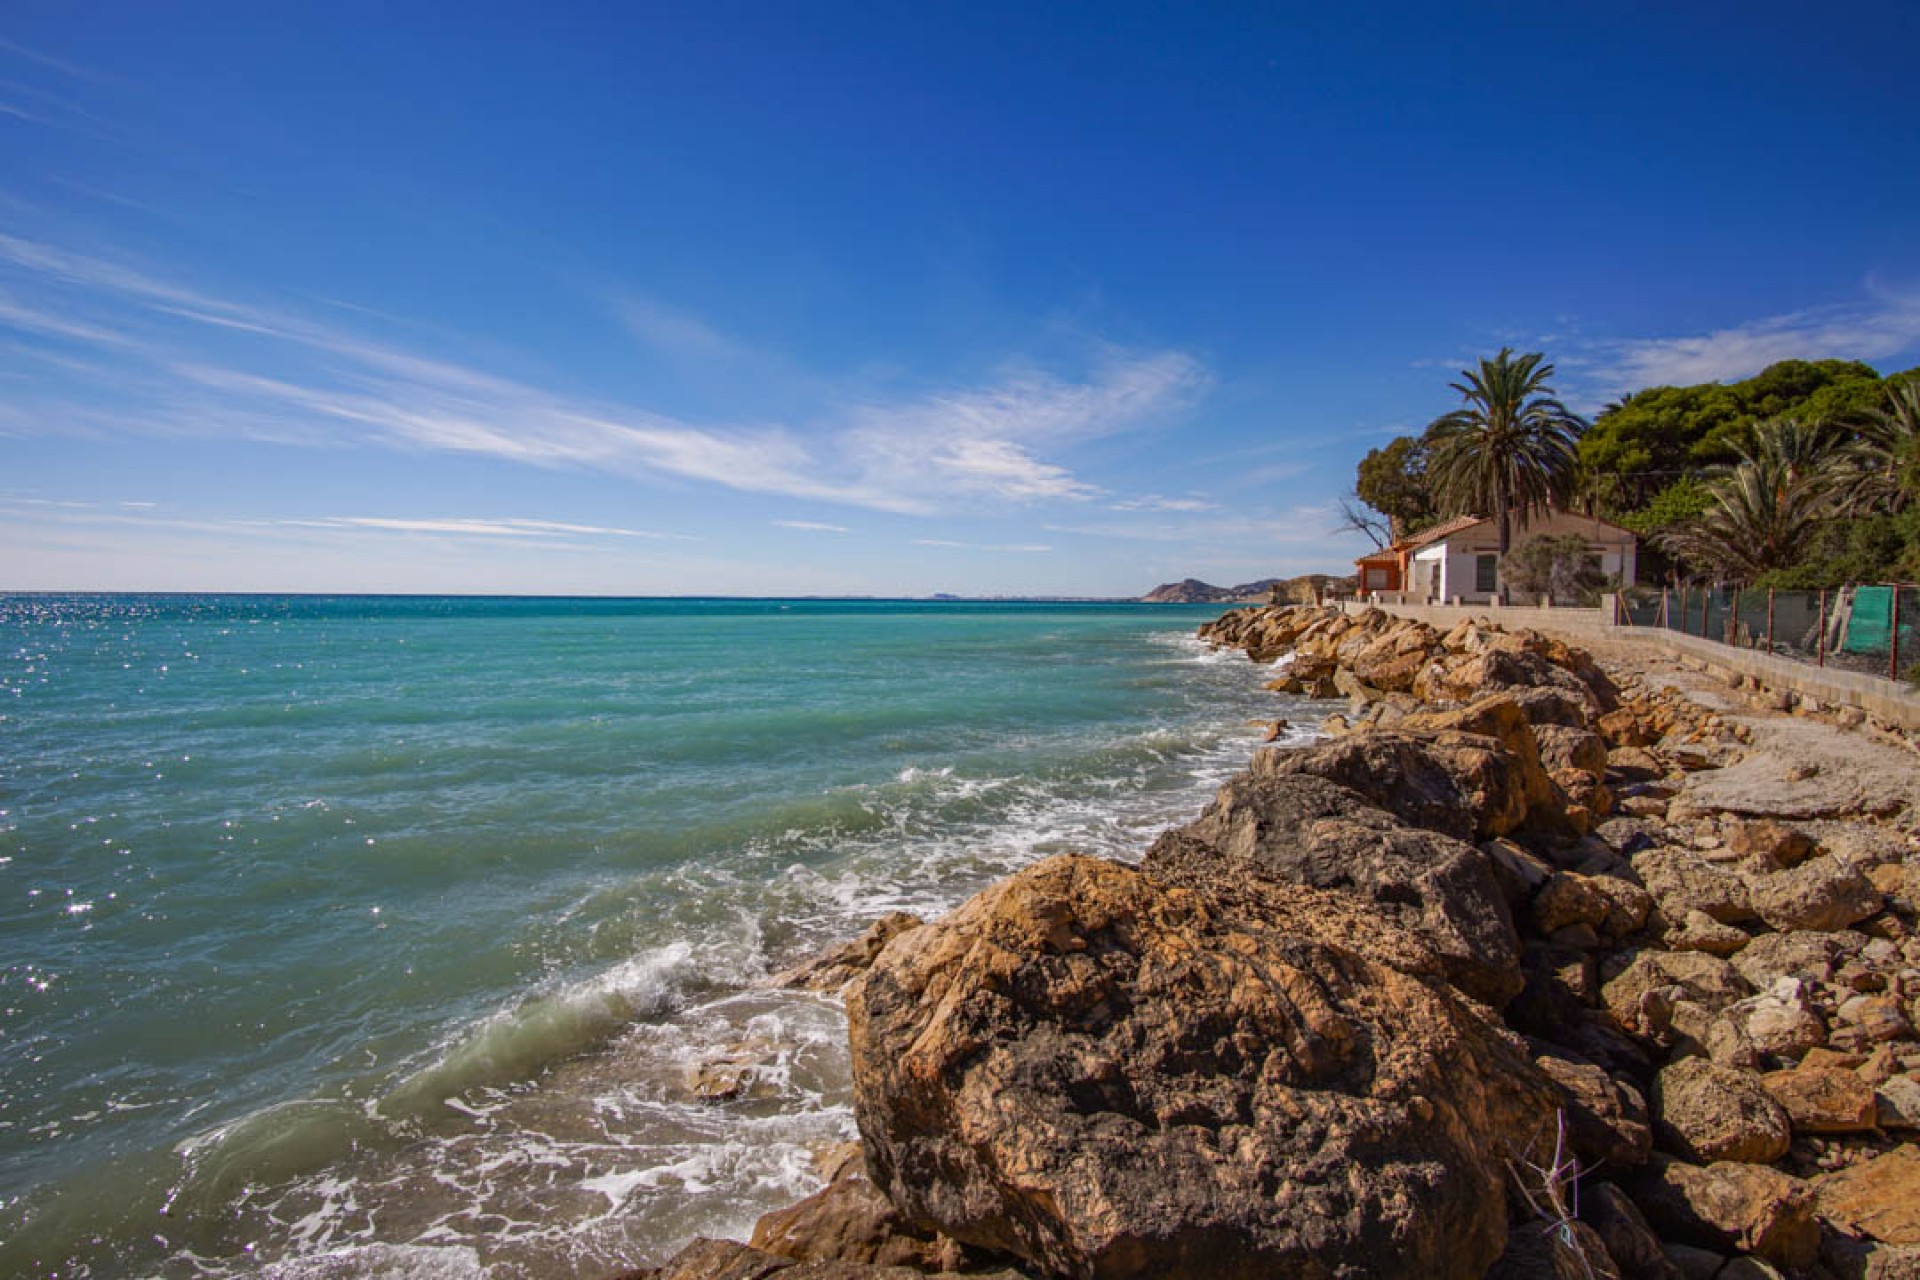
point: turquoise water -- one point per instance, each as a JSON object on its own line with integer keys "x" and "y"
{"x": 372, "y": 936}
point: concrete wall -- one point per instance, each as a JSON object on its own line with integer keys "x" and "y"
{"x": 1889, "y": 701}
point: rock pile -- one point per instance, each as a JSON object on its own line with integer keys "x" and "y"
{"x": 1477, "y": 985}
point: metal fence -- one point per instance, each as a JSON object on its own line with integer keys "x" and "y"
{"x": 1870, "y": 628}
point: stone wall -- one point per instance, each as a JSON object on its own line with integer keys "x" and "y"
{"x": 1887, "y": 701}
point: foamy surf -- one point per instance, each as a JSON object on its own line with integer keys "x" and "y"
{"x": 579, "y": 917}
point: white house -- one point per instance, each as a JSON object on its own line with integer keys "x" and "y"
{"x": 1458, "y": 561}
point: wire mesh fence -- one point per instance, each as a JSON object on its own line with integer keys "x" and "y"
{"x": 1872, "y": 628}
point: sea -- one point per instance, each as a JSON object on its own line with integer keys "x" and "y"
{"x": 410, "y": 936}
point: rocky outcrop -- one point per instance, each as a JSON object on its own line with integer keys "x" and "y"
{"x": 1306, "y": 830}
{"x": 1494, "y": 979}
{"x": 1102, "y": 1074}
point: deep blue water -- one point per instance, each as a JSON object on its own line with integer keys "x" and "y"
{"x": 349, "y": 936}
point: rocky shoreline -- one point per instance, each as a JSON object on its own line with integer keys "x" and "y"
{"x": 1536, "y": 966}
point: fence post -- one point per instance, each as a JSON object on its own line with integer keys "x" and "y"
{"x": 1893, "y": 648}
{"x": 1683, "y": 608}
{"x": 1769, "y": 619}
{"x": 1706, "y": 596}
{"x": 1733, "y": 621}
{"x": 1666, "y": 620}
{"x": 1823, "y": 627}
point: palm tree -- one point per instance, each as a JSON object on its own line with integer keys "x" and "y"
{"x": 1887, "y": 445}
{"x": 1766, "y": 507}
{"x": 1509, "y": 450}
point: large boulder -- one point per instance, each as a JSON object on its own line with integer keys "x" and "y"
{"x": 1107, "y": 1075}
{"x": 1656, "y": 979}
{"x": 1820, "y": 894}
{"x": 1464, "y": 784}
{"x": 851, "y": 1221}
{"x": 1880, "y": 1198}
{"x": 1747, "y": 1208}
{"x": 1680, "y": 880}
{"x": 1310, "y": 831}
{"x": 1707, "y": 1112}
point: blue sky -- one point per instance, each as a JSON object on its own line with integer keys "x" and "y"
{"x": 877, "y": 299}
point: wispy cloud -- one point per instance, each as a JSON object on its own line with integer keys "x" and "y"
{"x": 482, "y": 528}
{"x": 204, "y": 363}
{"x": 1014, "y": 548}
{"x": 1154, "y": 502}
{"x": 64, "y": 67}
{"x": 983, "y": 441}
{"x": 812, "y": 526}
{"x": 674, "y": 332}
{"x": 1886, "y": 325}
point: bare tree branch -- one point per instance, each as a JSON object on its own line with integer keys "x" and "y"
{"x": 1357, "y": 517}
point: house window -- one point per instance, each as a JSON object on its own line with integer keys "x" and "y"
{"x": 1486, "y": 573}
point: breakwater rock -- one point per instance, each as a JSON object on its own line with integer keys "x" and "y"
{"x": 1479, "y": 984}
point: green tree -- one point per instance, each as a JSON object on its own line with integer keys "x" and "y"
{"x": 1766, "y": 508}
{"x": 1393, "y": 481}
{"x": 1559, "y": 566}
{"x": 1885, "y": 452}
{"x": 1509, "y": 450}
{"x": 1646, "y": 441}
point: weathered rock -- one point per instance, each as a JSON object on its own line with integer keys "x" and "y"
{"x": 1680, "y": 880}
{"x": 1388, "y": 668}
{"x": 1623, "y": 1229}
{"x": 1519, "y": 872}
{"x": 1551, "y": 706}
{"x": 1705, "y": 1112}
{"x": 1880, "y": 1198}
{"x": 1606, "y": 1118}
{"x": 1693, "y": 1263}
{"x": 1777, "y": 1024}
{"x": 1550, "y": 1251}
{"x": 1823, "y": 1099}
{"x": 1306, "y": 830}
{"x": 832, "y": 970}
{"x": 1748, "y": 1268}
{"x": 1611, "y": 905}
{"x": 851, "y": 1221}
{"x": 1897, "y": 1102}
{"x": 1698, "y": 931}
{"x": 1819, "y": 894}
{"x": 1565, "y": 748}
{"x": 1747, "y": 1208}
{"x": 1462, "y": 785}
{"x": 1628, "y": 835}
{"x": 1849, "y": 1257}
{"x": 1705, "y": 980}
{"x": 1776, "y": 847}
{"x": 1107, "y": 1075}
{"x": 1873, "y": 1019}
{"x": 1772, "y": 956}
{"x": 1475, "y": 675}
{"x": 728, "y": 1260}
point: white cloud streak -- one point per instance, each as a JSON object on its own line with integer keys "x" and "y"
{"x": 1885, "y": 323}
{"x": 207, "y": 364}
{"x": 1013, "y": 548}
{"x": 811, "y": 526}
{"x": 466, "y": 527}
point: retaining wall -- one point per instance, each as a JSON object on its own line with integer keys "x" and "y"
{"x": 1888, "y": 701}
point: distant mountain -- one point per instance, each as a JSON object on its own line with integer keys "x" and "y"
{"x": 1302, "y": 590}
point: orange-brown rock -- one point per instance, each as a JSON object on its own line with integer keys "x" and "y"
{"x": 1747, "y": 1208}
{"x": 1705, "y": 1112}
{"x": 1110, "y": 1076}
{"x": 1824, "y": 1099}
{"x": 1880, "y": 1197}
{"x": 849, "y": 1220}
{"x": 1306, "y": 830}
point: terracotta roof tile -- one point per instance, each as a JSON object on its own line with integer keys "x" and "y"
{"x": 1444, "y": 529}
